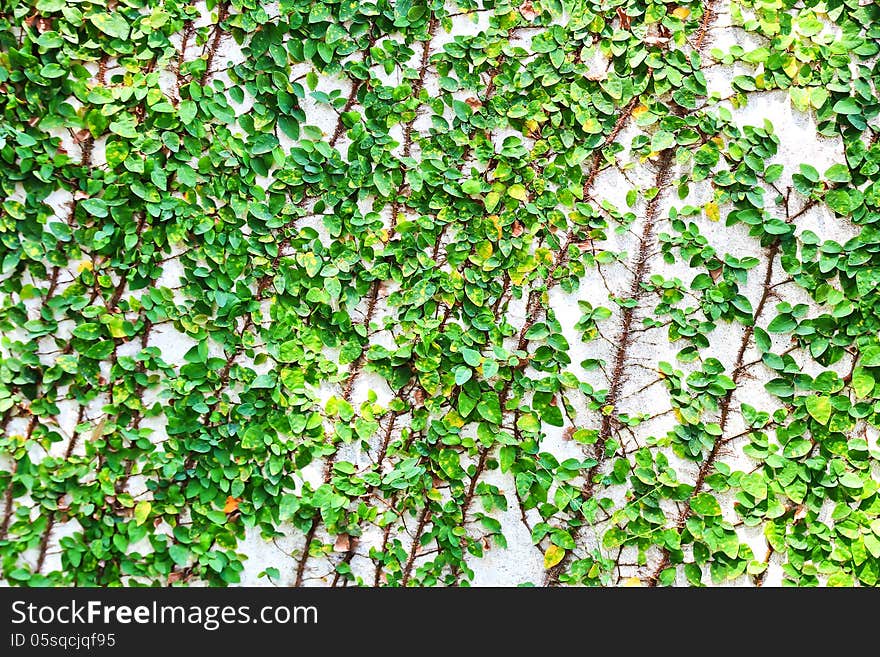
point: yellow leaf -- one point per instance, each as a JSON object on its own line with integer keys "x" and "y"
{"x": 231, "y": 504}
{"x": 114, "y": 325}
{"x": 142, "y": 512}
{"x": 641, "y": 109}
{"x": 85, "y": 264}
{"x": 632, "y": 581}
{"x": 553, "y": 556}
{"x": 681, "y": 12}
{"x": 712, "y": 211}
{"x": 518, "y": 192}
{"x": 453, "y": 419}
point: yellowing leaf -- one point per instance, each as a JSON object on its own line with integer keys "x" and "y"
{"x": 518, "y": 192}
{"x": 231, "y": 504}
{"x": 453, "y": 419}
{"x": 819, "y": 408}
{"x": 142, "y": 512}
{"x": 712, "y": 211}
{"x": 85, "y": 265}
{"x": 681, "y": 12}
{"x": 632, "y": 581}
{"x": 553, "y": 556}
{"x": 641, "y": 109}
{"x": 115, "y": 327}
{"x": 496, "y": 224}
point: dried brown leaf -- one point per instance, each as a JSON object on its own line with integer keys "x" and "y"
{"x": 527, "y": 11}
{"x": 231, "y": 504}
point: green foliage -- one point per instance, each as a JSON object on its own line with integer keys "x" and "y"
{"x": 197, "y": 282}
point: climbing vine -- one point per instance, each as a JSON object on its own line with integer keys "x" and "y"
{"x": 434, "y": 292}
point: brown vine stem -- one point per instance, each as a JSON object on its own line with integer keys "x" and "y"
{"x": 373, "y": 295}
{"x": 50, "y": 524}
{"x": 216, "y": 37}
{"x": 407, "y": 145}
{"x": 262, "y": 286}
{"x": 8, "y": 499}
{"x": 626, "y": 329}
{"x": 356, "y": 366}
{"x": 724, "y": 406}
{"x": 85, "y": 162}
{"x": 624, "y": 343}
{"x": 86, "y": 147}
{"x": 424, "y": 515}
{"x": 533, "y": 308}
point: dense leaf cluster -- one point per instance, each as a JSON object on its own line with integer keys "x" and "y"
{"x": 303, "y": 273}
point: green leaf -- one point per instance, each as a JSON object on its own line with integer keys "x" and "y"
{"x": 754, "y": 485}
{"x": 870, "y": 356}
{"x": 537, "y": 331}
{"x": 838, "y": 173}
{"x": 819, "y": 408}
{"x": 851, "y": 480}
{"x": 862, "y": 382}
{"x": 662, "y": 140}
{"x": 96, "y": 207}
{"x": 187, "y": 111}
{"x": 252, "y": 438}
{"x": 782, "y": 324}
{"x": 840, "y": 201}
{"x": 179, "y": 554}
{"x": 705, "y": 504}
{"x": 471, "y": 356}
{"x": 288, "y": 506}
{"x": 846, "y": 106}
{"x": 113, "y": 24}
{"x": 462, "y": 375}
{"x": 87, "y": 331}
{"x": 471, "y": 186}
{"x": 507, "y": 456}
{"x": 382, "y": 181}
{"x": 797, "y": 447}
{"x": 264, "y": 143}
{"x": 529, "y": 423}
{"x": 773, "y": 173}
{"x": 68, "y": 362}
{"x": 124, "y": 126}
{"x": 449, "y": 462}
{"x": 489, "y": 408}
{"x": 116, "y": 152}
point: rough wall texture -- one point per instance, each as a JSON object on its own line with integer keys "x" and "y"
{"x": 418, "y": 293}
